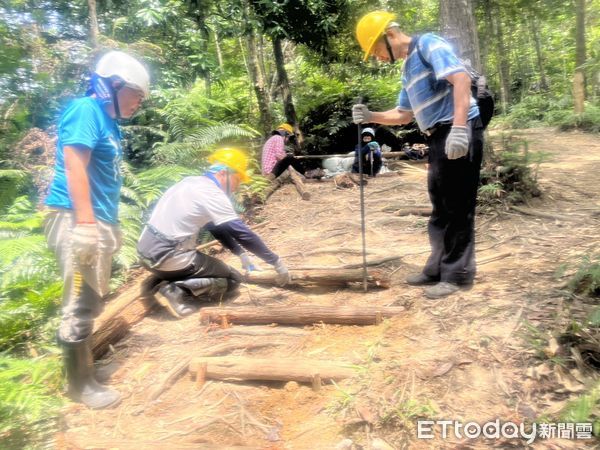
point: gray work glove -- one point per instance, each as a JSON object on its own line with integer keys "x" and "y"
{"x": 361, "y": 114}
{"x": 457, "y": 142}
{"x": 85, "y": 243}
{"x": 283, "y": 275}
{"x": 247, "y": 263}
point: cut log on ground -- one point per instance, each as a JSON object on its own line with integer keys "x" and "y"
{"x": 214, "y": 242}
{"x": 323, "y": 277}
{"x": 275, "y": 369}
{"x": 297, "y": 180}
{"x": 121, "y": 314}
{"x": 370, "y": 262}
{"x": 542, "y": 214}
{"x": 276, "y": 184}
{"x": 348, "y": 180}
{"x": 300, "y": 315}
{"x": 180, "y": 369}
{"x": 425, "y": 212}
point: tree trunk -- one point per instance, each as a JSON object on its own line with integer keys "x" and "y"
{"x": 492, "y": 12}
{"x": 218, "y": 49}
{"x": 286, "y": 93}
{"x": 275, "y": 369}
{"x": 93, "y": 17}
{"x": 258, "y": 83}
{"x": 300, "y": 315}
{"x": 538, "y": 52}
{"x": 460, "y": 29}
{"x": 579, "y": 78}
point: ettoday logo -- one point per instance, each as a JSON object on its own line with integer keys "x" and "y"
{"x": 427, "y": 429}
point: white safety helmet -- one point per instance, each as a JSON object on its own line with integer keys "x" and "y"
{"x": 368, "y": 130}
{"x": 126, "y": 67}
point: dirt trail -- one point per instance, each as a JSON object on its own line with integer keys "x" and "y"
{"x": 461, "y": 358}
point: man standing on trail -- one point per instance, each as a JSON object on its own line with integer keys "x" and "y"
{"x": 437, "y": 93}
{"x": 274, "y": 159}
{"x": 168, "y": 242}
{"x": 82, "y": 222}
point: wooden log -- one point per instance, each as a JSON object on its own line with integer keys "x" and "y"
{"x": 370, "y": 262}
{"x": 415, "y": 211}
{"x": 272, "y": 369}
{"x": 323, "y": 277}
{"x": 343, "y": 181}
{"x": 542, "y": 214}
{"x": 183, "y": 367}
{"x": 297, "y": 180}
{"x": 276, "y": 184}
{"x": 121, "y": 314}
{"x": 214, "y": 242}
{"x": 300, "y": 315}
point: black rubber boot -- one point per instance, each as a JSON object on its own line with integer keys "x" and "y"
{"x": 83, "y": 387}
{"x": 205, "y": 288}
{"x": 174, "y": 299}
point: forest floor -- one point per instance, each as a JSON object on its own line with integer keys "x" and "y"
{"x": 474, "y": 356}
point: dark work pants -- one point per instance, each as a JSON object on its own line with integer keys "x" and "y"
{"x": 284, "y": 163}
{"x": 367, "y": 165}
{"x": 452, "y": 186}
{"x": 203, "y": 266}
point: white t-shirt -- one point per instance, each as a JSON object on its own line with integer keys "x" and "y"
{"x": 189, "y": 205}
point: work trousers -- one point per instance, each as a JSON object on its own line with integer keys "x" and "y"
{"x": 452, "y": 186}
{"x": 172, "y": 261}
{"x": 84, "y": 285}
{"x": 202, "y": 266}
{"x": 284, "y": 163}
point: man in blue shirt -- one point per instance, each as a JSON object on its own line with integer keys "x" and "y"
{"x": 437, "y": 93}
{"x": 82, "y": 221}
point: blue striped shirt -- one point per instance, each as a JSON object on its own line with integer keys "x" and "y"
{"x": 426, "y": 92}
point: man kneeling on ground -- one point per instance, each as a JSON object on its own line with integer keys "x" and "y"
{"x": 167, "y": 244}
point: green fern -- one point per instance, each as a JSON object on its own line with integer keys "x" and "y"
{"x": 29, "y": 406}
{"x": 12, "y": 183}
{"x": 197, "y": 144}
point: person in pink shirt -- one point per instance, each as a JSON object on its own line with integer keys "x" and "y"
{"x": 274, "y": 158}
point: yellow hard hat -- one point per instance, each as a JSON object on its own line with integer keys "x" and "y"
{"x": 287, "y": 127}
{"x": 370, "y": 28}
{"x": 235, "y": 159}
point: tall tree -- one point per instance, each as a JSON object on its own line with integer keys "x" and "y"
{"x": 579, "y": 77}
{"x": 283, "y": 83}
{"x": 493, "y": 17}
{"x": 255, "y": 74}
{"x": 93, "y": 18}
{"x": 459, "y": 27}
{"x": 535, "y": 32}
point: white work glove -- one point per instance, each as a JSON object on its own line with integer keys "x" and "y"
{"x": 457, "y": 142}
{"x": 85, "y": 243}
{"x": 283, "y": 275}
{"x": 361, "y": 114}
{"x": 247, "y": 263}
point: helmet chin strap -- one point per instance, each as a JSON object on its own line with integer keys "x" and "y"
{"x": 115, "y": 88}
{"x": 388, "y": 46}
